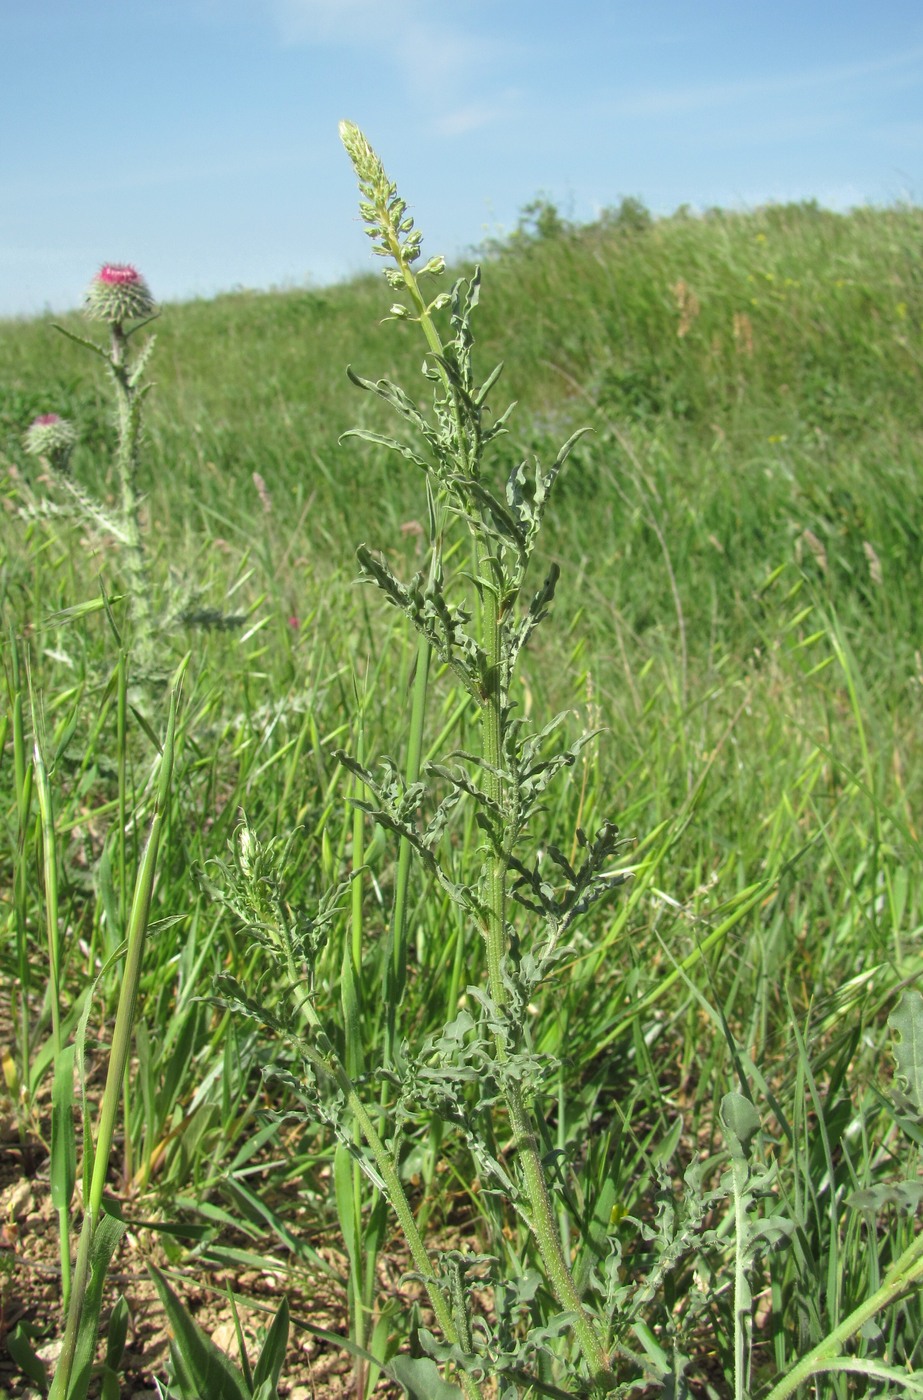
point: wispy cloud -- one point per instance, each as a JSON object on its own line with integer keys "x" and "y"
{"x": 431, "y": 53}
{"x": 897, "y": 69}
{"x": 472, "y": 116}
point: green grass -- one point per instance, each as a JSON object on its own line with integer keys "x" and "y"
{"x": 739, "y": 612}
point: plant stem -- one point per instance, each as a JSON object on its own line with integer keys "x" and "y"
{"x": 128, "y": 400}
{"x": 904, "y": 1272}
{"x": 543, "y": 1222}
{"x": 396, "y": 965}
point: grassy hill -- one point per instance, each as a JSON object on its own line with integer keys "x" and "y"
{"x": 739, "y": 615}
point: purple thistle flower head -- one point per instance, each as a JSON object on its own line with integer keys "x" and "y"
{"x": 118, "y": 293}
{"x": 49, "y": 435}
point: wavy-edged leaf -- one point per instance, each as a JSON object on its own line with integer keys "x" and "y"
{"x": 392, "y": 444}
{"x": 741, "y": 1124}
{"x": 394, "y": 395}
{"x": 421, "y": 1380}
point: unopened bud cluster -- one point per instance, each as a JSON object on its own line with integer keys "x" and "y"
{"x": 383, "y": 211}
{"x": 118, "y": 293}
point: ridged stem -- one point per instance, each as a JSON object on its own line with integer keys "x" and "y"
{"x": 542, "y": 1216}
{"x": 904, "y": 1272}
{"x": 128, "y": 399}
{"x": 323, "y": 1056}
{"x": 396, "y": 965}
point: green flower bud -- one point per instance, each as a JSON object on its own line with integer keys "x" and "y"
{"x": 365, "y": 162}
{"x": 118, "y": 293}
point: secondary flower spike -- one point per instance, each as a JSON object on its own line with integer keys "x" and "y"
{"x": 118, "y": 293}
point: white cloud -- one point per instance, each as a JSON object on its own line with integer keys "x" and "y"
{"x": 475, "y": 115}
{"x": 431, "y": 54}
{"x": 665, "y": 102}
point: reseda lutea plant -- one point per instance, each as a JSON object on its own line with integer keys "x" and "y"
{"x": 481, "y": 1069}
{"x": 507, "y": 779}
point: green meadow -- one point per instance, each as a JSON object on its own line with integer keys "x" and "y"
{"x": 738, "y": 625}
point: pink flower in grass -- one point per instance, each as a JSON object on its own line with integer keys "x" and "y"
{"x": 49, "y": 435}
{"x": 118, "y": 293}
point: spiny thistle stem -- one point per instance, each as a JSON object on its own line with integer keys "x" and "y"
{"x": 119, "y": 297}
{"x": 129, "y": 397}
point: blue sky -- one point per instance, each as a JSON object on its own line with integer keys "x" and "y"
{"x": 198, "y": 138}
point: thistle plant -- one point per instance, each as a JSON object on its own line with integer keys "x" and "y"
{"x": 508, "y": 777}
{"x": 121, "y": 300}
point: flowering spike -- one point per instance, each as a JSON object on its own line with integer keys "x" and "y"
{"x": 118, "y": 293}
{"x": 383, "y": 211}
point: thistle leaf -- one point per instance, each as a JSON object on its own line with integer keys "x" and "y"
{"x": 421, "y": 1379}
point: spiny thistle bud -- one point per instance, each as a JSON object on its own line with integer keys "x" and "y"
{"x": 50, "y": 436}
{"x": 118, "y": 293}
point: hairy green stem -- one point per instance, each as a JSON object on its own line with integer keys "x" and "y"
{"x": 128, "y": 399}
{"x": 542, "y": 1216}
{"x": 325, "y": 1059}
{"x": 904, "y": 1272}
{"x": 396, "y": 964}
